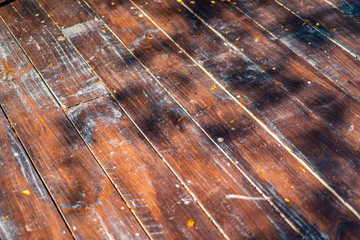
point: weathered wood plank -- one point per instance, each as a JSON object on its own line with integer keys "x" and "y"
{"x": 298, "y": 101}
{"x": 203, "y": 169}
{"x": 350, "y": 7}
{"x": 26, "y": 208}
{"x": 146, "y": 43}
{"x": 161, "y": 203}
{"x": 87, "y": 199}
{"x": 314, "y": 47}
{"x": 73, "y": 81}
{"x": 339, "y": 27}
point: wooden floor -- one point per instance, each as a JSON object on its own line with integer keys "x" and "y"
{"x": 170, "y": 119}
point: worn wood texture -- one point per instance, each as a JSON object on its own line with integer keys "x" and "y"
{"x": 341, "y": 28}
{"x": 320, "y": 118}
{"x": 176, "y": 84}
{"x": 222, "y": 109}
{"x": 87, "y": 199}
{"x": 60, "y": 66}
{"x": 161, "y": 203}
{"x": 350, "y": 7}
{"x": 26, "y": 208}
{"x": 338, "y": 65}
{"x": 202, "y": 168}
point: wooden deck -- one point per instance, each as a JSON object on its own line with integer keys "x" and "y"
{"x": 170, "y": 119}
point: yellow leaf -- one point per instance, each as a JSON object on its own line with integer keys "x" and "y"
{"x": 190, "y": 223}
{"x": 237, "y": 39}
{"x": 332, "y": 30}
{"x": 278, "y": 83}
{"x": 4, "y": 218}
{"x": 102, "y": 30}
{"x": 288, "y": 201}
{"x": 149, "y": 37}
{"x": 26, "y": 192}
{"x": 306, "y": 22}
{"x": 179, "y": 0}
{"x": 233, "y": 120}
{"x": 213, "y": 87}
{"x": 302, "y": 169}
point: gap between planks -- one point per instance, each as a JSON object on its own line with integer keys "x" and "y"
{"x": 169, "y": 93}
{"x": 77, "y": 131}
{"x": 182, "y": 182}
{"x": 343, "y": 89}
{"x": 38, "y": 173}
{"x": 345, "y": 48}
{"x": 263, "y": 125}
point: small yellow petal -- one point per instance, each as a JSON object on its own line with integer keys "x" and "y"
{"x": 190, "y": 223}
{"x": 27, "y": 192}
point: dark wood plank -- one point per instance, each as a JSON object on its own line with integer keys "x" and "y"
{"x": 146, "y": 43}
{"x": 330, "y": 59}
{"x": 159, "y": 200}
{"x": 87, "y": 199}
{"x": 339, "y": 27}
{"x": 26, "y": 208}
{"x": 202, "y": 167}
{"x": 350, "y": 7}
{"x": 51, "y": 53}
{"x": 77, "y": 39}
{"x": 311, "y": 115}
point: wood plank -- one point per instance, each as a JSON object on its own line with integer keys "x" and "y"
{"x": 87, "y": 199}
{"x": 202, "y": 167}
{"x": 324, "y": 55}
{"x": 350, "y": 7}
{"x": 339, "y": 27}
{"x": 26, "y": 208}
{"x": 99, "y": 68}
{"x": 51, "y": 53}
{"x": 161, "y": 203}
{"x": 160, "y": 64}
{"x": 315, "y": 112}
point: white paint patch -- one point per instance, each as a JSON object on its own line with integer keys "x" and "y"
{"x": 233, "y": 196}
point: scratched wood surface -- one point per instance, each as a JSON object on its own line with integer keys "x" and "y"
{"x": 341, "y": 28}
{"x": 226, "y": 108}
{"x": 350, "y": 7}
{"x": 179, "y": 120}
{"x": 161, "y": 203}
{"x": 320, "y": 108}
{"x": 23, "y": 194}
{"x": 177, "y": 138}
{"x": 83, "y": 193}
{"x": 61, "y": 67}
{"x": 338, "y": 65}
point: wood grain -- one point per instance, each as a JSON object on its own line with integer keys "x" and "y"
{"x": 324, "y": 55}
{"x": 86, "y": 197}
{"x": 350, "y": 7}
{"x": 26, "y": 208}
{"x": 73, "y": 81}
{"x": 202, "y": 168}
{"x": 175, "y": 65}
{"x": 340, "y": 27}
{"x": 309, "y": 117}
{"x": 161, "y": 203}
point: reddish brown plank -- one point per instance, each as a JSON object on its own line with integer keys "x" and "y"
{"x": 26, "y": 208}
{"x": 162, "y": 204}
{"x": 77, "y": 39}
{"x": 310, "y": 125}
{"x": 87, "y": 199}
{"x": 51, "y": 53}
{"x": 146, "y": 44}
{"x": 327, "y": 57}
{"x": 202, "y": 168}
{"x": 339, "y": 27}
